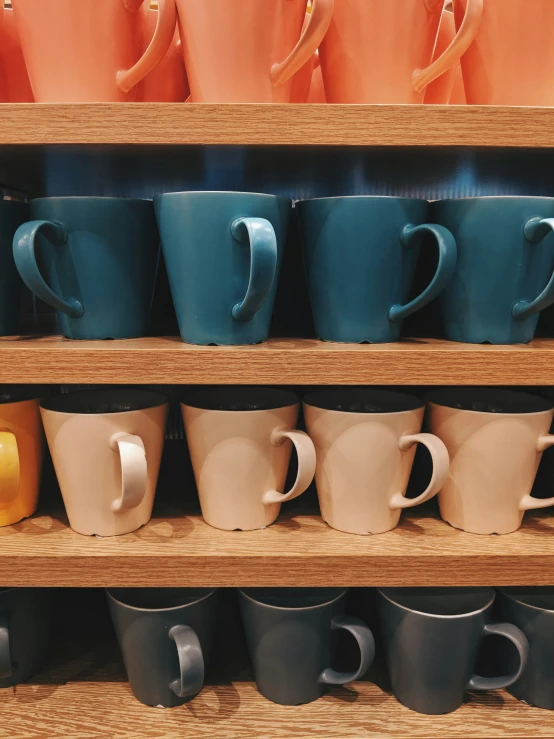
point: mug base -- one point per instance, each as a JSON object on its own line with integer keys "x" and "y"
{"x": 488, "y": 532}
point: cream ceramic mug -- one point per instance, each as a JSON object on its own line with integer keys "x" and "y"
{"x": 495, "y": 439}
{"x": 240, "y": 442}
{"x": 106, "y": 446}
{"x": 365, "y": 443}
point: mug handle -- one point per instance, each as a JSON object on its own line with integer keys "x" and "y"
{"x": 133, "y": 471}
{"x": 535, "y": 230}
{"x": 528, "y": 503}
{"x": 157, "y": 48}
{"x": 366, "y": 644}
{"x": 26, "y": 263}
{"x": 312, "y": 36}
{"x": 191, "y": 662}
{"x": 9, "y": 468}
{"x": 519, "y": 640}
{"x": 452, "y": 55}
{"x": 441, "y": 465}
{"x": 6, "y": 669}
{"x": 305, "y": 451}
{"x": 448, "y": 254}
{"x": 260, "y": 234}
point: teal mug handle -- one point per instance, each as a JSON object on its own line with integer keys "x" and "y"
{"x": 535, "y": 230}
{"x": 191, "y": 662}
{"x": 259, "y": 233}
{"x": 6, "y": 669}
{"x": 26, "y": 263}
{"x": 366, "y": 644}
{"x": 448, "y": 254}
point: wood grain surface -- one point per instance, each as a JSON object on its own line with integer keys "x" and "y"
{"x": 280, "y": 361}
{"x": 246, "y": 124}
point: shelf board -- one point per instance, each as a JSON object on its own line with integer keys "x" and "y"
{"x": 300, "y": 550}
{"x": 247, "y": 124}
{"x": 280, "y": 361}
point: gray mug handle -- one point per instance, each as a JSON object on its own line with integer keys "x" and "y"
{"x": 519, "y": 640}
{"x": 5, "y": 652}
{"x": 366, "y": 643}
{"x": 191, "y": 662}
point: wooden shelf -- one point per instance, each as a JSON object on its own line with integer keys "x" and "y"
{"x": 306, "y": 125}
{"x": 279, "y": 361}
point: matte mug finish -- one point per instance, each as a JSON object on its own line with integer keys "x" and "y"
{"x": 240, "y": 442}
{"x": 289, "y": 633}
{"x": 495, "y": 439}
{"x": 223, "y": 252}
{"x": 532, "y": 610}
{"x": 431, "y": 638}
{"x": 16, "y": 85}
{"x": 12, "y": 215}
{"x": 165, "y": 636}
{"x": 25, "y": 620}
{"x": 504, "y": 275}
{"x": 99, "y": 257}
{"x": 106, "y": 446}
{"x": 361, "y": 254}
{"x": 449, "y": 87}
{"x": 365, "y": 442}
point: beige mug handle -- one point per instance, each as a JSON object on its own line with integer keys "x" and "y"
{"x": 528, "y": 503}
{"x": 441, "y": 466}
{"x": 133, "y": 471}
{"x": 305, "y": 451}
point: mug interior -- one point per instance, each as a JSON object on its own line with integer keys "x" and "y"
{"x": 158, "y": 599}
{"x": 536, "y": 597}
{"x": 485, "y": 400}
{"x": 293, "y": 597}
{"x": 241, "y": 399}
{"x": 90, "y": 402}
{"x": 362, "y": 400}
{"x": 440, "y": 601}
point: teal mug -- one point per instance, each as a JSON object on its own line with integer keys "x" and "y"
{"x": 12, "y": 215}
{"x": 223, "y": 252}
{"x": 99, "y": 257}
{"x": 360, "y": 255}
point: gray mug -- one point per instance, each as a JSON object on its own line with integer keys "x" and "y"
{"x": 431, "y": 638}
{"x": 532, "y": 610}
{"x": 165, "y": 636}
{"x": 25, "y": 620}
{"x": 289, "y": 633}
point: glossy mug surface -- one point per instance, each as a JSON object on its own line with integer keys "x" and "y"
{"x": 495, "y": 439}
{"x": 240, "y": 442}
{"x": 449, "y": 87}
{"x": 365, "y": 442}
{"x": 106, "y": 446}
{"x": 12, "y": 215}
{"x": 167, "y": 82}
{"x": 15, "y": 86}
{"x": 100, "y": 258}
{"x": 360, "y": 255}
{"x": 504, "y": 274}
{"x": 223, "y": 252}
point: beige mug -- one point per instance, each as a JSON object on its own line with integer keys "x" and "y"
{"x": 106, "y": 446}
{"x": 240, "y": 442}
{"x": 495, "y": 439}
{"x": 365, "y": 443}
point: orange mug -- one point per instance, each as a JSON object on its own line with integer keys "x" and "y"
{"x": 449, "y": 87}
{"x": 247, "y": 51}
{"x": 511, "y": 60}
{"x": 16, "y": 87}
{"x": 87, "y": 50}
{"x": 380, "y": 51}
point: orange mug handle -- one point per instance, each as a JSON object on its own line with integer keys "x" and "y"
{"x": 461, "y": 43}
{"x": 158, "y": 46}
{"x": 9, "y": 468}
{"x": 312, "y": 36}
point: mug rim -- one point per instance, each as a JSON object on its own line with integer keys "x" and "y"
{"x": 244, "y": 593}
{"x": 89, "y": 198}
{"x": 158, "y": 401}
{"x": 290, "y": 399}
{"x": 363, "y": 197}
{"x": 112, "y": 597}
{"x": 450, "y": 616}
{"x": 493, "y": 197}
{"x": 161, "y": 195}
{"x": 549, "y": 407}
{"x": 505, "y": 592}
{"x": 307, "y": 400}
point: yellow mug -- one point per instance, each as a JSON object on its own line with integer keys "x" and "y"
{"x": 21, "y": 450}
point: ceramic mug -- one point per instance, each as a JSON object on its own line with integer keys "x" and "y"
{"x": 16, "y": 86}
{"x": 88, "y": 51}
{"x": 223, "y": 291}
{"x": 256, "y": 61}
{"x": 361, "y": 254}
{"x": 240, "y": 442}
{"x": 431, "y": 638}
{"x": 380, "y": 51}
{"x": 21, "y": 452}
{"x": 12, "y": 215}
{"x": 365, "y": 442}
{"x": 165, "y": 636}
{"x": 100, "y": 258}
{"x": 25, "y": 621}
{"x": 106, "y": 446}
{"x": 449, "y": 87}
{"x": 289, "y": 636}
{"x": 504, "y": 274}
{"x": 495, "y": 439}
